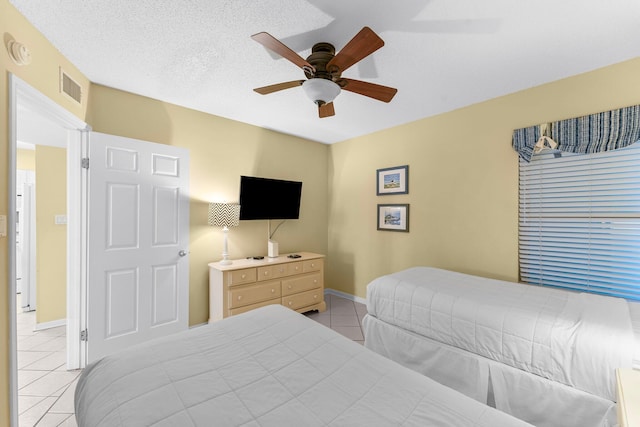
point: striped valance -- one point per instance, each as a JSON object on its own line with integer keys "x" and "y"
{"x": 588, "y": 134}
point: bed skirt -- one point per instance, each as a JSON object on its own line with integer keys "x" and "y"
{"x": 537, "y": 400}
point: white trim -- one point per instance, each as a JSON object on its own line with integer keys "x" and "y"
{"x": 73, "y": 248}
{"x": 37, "y": 102}
{"x": 29, "y": 271}
{"x": 81, "y": 296}
{"x": 198, "y": 325}
{"x": 76, "y": 237}
{"x": 48, "y": 325}
{"x": 13, "y": 347}
{"x": 21, "y": 93}
{"x": 346, "y": 296}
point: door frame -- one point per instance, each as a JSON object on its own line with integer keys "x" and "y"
{"x": 29, "y": 238}
{"x": 21, "y": 93}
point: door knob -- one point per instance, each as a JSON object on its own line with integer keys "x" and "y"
{"x": 182, "y": 253}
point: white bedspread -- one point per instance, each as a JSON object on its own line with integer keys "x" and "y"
{"x": 577, "y": 339}
{"x": 267, "y": 367}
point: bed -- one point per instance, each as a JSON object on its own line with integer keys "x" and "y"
{"x": 267, "y": 367}
{"x": 544, "y": 355}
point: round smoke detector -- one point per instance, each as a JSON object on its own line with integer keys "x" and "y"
{"x": 19, "y": 53}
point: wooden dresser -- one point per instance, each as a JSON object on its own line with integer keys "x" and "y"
{"x": 297, "y": 283}
{"x": 628, "y": 397}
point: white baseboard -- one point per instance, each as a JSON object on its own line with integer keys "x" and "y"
{"x": 198, "y": 325}
{"x": 346, "y": 296}
{"x": 49, "y": 325}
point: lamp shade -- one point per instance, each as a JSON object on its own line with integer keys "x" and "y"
{"x": 321, "y": 91}
{"x": 224, "y": 214}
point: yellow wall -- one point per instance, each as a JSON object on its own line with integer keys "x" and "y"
{"x": 220, "y": 151}
{"x": 43, "y": 74}
{"x": 51, "y": 238}
{"x": 463, "y": 182}
{"x": 26, "y": 160}
{"x": 51, "y": 241}
{"x": 463, "y": 175}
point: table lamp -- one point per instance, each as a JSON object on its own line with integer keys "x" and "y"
{"x": 224, "y": 215}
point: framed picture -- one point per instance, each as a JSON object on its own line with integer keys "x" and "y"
{"x": 393, "y": 217}
{"x": 392, "y": 180}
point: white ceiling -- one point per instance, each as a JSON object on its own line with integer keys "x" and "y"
{"x": 439, "y": 54}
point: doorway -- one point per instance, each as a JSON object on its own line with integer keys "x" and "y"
{"x": 45, "y": 387}
{"x": 156, "y": 184}
{"x": 32, "y": 116}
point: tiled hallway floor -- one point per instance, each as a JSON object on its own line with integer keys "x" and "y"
{"x": 46, "y": 388}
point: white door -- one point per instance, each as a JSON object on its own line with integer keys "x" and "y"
{"x": 138, "y": 263}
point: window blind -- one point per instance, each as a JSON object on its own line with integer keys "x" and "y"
{"x": 579, "y": 221}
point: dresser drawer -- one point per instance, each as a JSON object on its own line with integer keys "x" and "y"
{"x": 303, "y": 299}
{"x": 251, "y": 294}
{"x": 245, "y": 284}
{"x": 311, "y": 265}
{"x": 272, "y": 271}
{"x": 246, "y": 308}
{"x": 240, "y": 277}
{"x": 294, "y": 268}
{"x": 301, "y": 284}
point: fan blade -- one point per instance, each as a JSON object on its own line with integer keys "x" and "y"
{"x": 275, "y": 45}
{"x": 372, "y": 90}
{"x": 326, "y": 110}
{"x": 362, "y": 45}
{"x": 265, "y": 90}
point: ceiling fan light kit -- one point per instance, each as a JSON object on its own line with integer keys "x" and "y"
{"x": 321, "y": 91}
{"x": 323, "y": 70}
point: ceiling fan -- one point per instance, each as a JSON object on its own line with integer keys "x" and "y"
{"x": 324, "y": 68}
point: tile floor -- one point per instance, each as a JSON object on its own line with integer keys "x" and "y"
{"x": 343, "y": 316}
{"x": 46, "y": 388}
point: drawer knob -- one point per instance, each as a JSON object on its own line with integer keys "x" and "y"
{"x": 273, "y": 291}
{"x": 281, "y": 270}
{"x": 290, "y": 303}
{"x": 315, "y": 281}
{"x": 266, "y": 273}
{"x": 315, "y": 297}
{"x": 244, "y": 276}
{"x": 290, "y": 286}
{"x": 312, "y": 265}
{"x": 239, "y": 297}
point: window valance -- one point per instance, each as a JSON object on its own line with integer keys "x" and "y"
{"x": 594, "y": 133}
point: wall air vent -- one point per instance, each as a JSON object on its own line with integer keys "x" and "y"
{"x": 70, "y": 87}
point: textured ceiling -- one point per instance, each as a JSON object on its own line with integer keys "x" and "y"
{"x": 439, "y": 54}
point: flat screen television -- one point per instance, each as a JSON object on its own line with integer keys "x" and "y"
{"x": 266, "y": 198}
